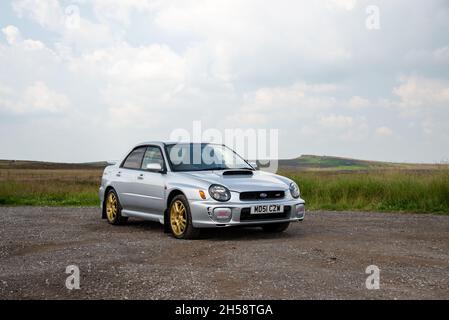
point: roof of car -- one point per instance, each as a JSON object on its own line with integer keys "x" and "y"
{"x": 160, "y": 143}
{"x": 156, "y": 143}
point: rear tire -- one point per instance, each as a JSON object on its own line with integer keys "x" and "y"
{"x": 180, "y": 219}
{"x": 276, "y": 227}
{"x": 113, "y": 209}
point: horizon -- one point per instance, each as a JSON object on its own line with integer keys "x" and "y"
{"x": 442, "y": 162}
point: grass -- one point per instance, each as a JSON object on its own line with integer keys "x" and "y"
{"x": 37, "y": 187}
{"x": 423, "y": 191}
{"x": 420, "y": 191}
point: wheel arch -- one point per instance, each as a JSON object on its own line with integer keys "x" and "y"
{"x": 173, "y": 193}
{"x": 103, "y": 211}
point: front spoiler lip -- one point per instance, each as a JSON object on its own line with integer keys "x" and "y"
{"x": 257, "y": 223}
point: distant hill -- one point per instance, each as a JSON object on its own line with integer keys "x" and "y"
{"x": 304, "y": 162}
{"x": 23, "y": 164}
{"x": 312, "y": 162}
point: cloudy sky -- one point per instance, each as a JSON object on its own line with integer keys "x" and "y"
{"x": 84, "y": 80}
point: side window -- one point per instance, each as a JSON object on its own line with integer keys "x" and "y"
{"x": 152, "y": 155}
{"x": 134, "y": 159}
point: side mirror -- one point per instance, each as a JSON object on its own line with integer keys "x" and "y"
{"x": 154, "y": 167}
{"x": 253, "y": 164}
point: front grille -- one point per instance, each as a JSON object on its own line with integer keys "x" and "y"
{"x": 262, "y": 195}
{"x": 245, "y": 215}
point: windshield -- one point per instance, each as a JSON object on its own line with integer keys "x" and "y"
{"x": 203, "y": 156}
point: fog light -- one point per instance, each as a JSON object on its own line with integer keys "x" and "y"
{"x": 300, "y": 210}
{"x": 222, "y": 214}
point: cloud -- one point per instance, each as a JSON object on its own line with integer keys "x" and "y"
{"x": 336, "y": 121}
{"x": 384, "y": 131}
{"x": 438, "y": 56}
{"x": 119, "y": 10}
{"x": 47, "y": 13}
{"x": 12, "y": 35}
{"x": 126, "y": 64}
{"x": 252, "y": 42}
{"x": 416, "y": 91}
{"x": 14, "y": 38}
{"x": 357, "y": 102}
{"x": 275, "y": 104}
{"x": 69, "y": 22}
{"x": 35, "y": 99}
{"x": 136, "y": 83}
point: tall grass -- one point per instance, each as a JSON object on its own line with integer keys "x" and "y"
{"x": 49, "y": 187}
{"x": 387, "y": 190}
{"x": 383, "y": 190}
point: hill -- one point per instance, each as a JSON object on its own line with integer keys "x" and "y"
{"x": 313, "y": 162}
{"x": 23, "y": 164}
{"x": 302, "y": 163}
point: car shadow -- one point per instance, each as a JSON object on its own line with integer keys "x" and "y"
{"x": 245, "y": 234}
{"x": 144, "y": 225}
{"x": 238, "y": 233}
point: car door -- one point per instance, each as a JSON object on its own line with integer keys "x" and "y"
{"x": 151, "y": 183}
{"x": 126, "y": 183}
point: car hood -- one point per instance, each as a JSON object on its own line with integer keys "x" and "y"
{"x": 258, "y": 181}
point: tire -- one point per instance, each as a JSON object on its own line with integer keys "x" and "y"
{"x": 113, "y": 209}
{"x": 180, "y": 219}
{"x": 276, "y": 227}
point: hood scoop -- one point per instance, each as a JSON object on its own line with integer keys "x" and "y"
{"x": 238, "y": 173}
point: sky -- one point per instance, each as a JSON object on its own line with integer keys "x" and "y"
{"x": 85, "y": 80}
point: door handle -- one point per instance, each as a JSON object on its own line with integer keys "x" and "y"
{"x": 119, "y": 174}
{"x": 140, "y": 177}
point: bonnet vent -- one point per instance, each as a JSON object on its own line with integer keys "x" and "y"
{"x": 238, "y": 173}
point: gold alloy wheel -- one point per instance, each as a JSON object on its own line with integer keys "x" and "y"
{"x": 111, "y": 207}
{"x": 178, "y": 217}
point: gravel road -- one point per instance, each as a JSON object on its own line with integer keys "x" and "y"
{"x": 324, "y": 257}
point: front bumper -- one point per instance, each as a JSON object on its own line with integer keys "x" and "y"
{"x": 202, "y": 213}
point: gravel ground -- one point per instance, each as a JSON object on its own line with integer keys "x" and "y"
{"x": 324, "y": 257}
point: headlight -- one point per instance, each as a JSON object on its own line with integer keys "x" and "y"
{"x": 219, "y": 193}
{"x": 294, "y": 190}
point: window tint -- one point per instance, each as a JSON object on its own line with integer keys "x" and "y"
{"x": 152, "y": 155}
{"x": 134, "y": 159}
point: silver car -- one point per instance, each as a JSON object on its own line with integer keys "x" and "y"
{"x": 189, "y": 186}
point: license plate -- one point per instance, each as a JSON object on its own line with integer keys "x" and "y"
{"x": 267, "y": 208}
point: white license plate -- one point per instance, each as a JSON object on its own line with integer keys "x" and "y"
{"x": 267, "y": 208}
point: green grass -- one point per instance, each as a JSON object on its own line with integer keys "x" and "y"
{"x": 387, "y": 190}
{"x": 423, "y": 191}
{"x": 36, "y": 187}
{"x": 14, "y": 193}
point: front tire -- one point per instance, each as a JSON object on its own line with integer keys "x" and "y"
{"x": 276, "y": 227}
{"x": 180, "y": 219}
{"x": 114, "y": 209}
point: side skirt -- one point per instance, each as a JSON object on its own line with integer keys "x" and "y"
{"x": 143, "y": 215}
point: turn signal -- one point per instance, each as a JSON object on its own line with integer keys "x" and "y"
{"x": 202, "y": 195}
